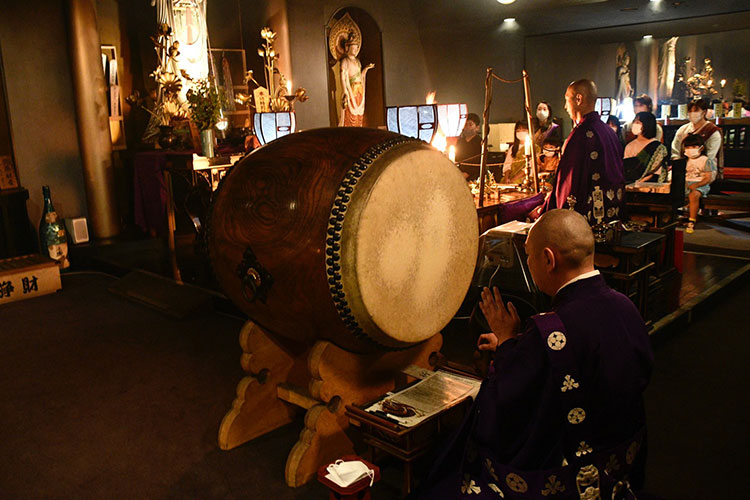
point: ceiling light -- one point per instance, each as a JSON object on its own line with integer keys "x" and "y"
{"x": 506, "y": 2}
{"x": 648, "y": 37}
{"x": 509, "y": 20}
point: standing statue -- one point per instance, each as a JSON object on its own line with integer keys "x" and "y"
{"x": 624, "y": 88}
{"x": 353, "y": 84}
{"x": 347, "y": 77}
{"x": 667, "y": 68}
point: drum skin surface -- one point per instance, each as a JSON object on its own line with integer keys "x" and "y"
{"x": 358, "y": 236}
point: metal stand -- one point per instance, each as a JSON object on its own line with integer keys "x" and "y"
{"x": 527, "y": 185}
{"x": 531, "y": 181}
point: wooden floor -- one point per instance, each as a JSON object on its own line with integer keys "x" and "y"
{"x": 677, "y": 302}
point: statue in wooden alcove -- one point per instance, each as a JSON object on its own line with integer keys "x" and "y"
{"x": 344, "y": 42}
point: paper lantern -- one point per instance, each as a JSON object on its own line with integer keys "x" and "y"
{"x": 452, "y": 118}
{"x": 419, "y": 121}
{"x": 605, "y": 106}
{"x": 271, "y": 126}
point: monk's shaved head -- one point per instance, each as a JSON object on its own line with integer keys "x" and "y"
{"x": 586, "y": 88}
{"x": 567, "y": 234}
{"x": 580, "y": 99}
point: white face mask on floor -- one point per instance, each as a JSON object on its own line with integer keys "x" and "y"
{"x": 347, "y": 473}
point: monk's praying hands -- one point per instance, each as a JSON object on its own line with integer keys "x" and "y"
{"x": 504, "y": 322}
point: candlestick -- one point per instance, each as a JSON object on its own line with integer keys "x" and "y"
{"x": 452, "y": 153}
{"x": 288, "y": 87}
{"x": 527, "y": 146}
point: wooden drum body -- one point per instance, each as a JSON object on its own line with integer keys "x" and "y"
{"x": 358, "y": 236}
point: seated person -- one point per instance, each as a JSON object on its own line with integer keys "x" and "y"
{"x": 700, "y": 172}
{"x": 469, "y": 144}
{"x": 564, "y": 399}
{"x": 614, "y": 124}
{"x": 548, "y": 162}
{"x": 711, "y": 134}
{"x": 645, "y": 157}
{"x": 515, "y": 158}
{"x": 642, "y": 103}
{"x": 545, "y": 126}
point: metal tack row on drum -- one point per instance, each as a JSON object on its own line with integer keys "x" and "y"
{"x": 369, "y": 238}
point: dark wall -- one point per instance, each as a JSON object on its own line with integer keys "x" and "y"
{"x": 33, "y": 37}
{"x": 457, "y": 61}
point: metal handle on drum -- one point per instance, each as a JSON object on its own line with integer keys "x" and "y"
{"x": 256, "y": 281}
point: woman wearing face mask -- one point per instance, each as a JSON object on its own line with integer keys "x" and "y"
{"x": 515, "y": 158}
{"x": 710, "y": 133}
{"x": 645, "y": 157}
{"x": 544, "y": 125}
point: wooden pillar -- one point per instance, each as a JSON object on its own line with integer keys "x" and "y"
{"x": 92, "y": 118}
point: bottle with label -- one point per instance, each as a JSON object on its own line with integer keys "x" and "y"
{"x": 52, "y": 237}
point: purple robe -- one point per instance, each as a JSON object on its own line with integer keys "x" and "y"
{"x": 519, "y": 418}
{"x": 590, "y": 177}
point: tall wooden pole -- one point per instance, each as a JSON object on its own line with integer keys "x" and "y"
{"x": 92, "y": 118}
{"x": 530, "y": 121}
{"x": 485, "y": 133}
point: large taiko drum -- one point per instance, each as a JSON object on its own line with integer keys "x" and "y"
{"x": 358, "y": 236}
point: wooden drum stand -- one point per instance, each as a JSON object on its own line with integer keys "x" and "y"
{"x": 323, "y": 379}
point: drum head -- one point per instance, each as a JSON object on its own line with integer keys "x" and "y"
{"x": 409, "y": 245}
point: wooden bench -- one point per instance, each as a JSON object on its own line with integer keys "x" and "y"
{"x": 736, "y": 137}
{"x": 738, "y": 203}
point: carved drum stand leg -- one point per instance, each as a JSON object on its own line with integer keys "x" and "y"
{"x": 256, "y": 410}
{"x": 341, "y": 378}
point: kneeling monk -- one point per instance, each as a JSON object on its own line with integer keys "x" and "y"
{"x": 561, "y": 411}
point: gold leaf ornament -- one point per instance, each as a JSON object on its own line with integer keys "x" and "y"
{"x": 553, "y": 486}
{"x": 516, "y": 483}
{"x": 469, "y": 487}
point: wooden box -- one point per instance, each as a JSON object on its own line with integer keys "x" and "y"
{"x": 28, "y": 276}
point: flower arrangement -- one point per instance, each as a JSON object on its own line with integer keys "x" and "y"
{"x": 205, "y": 102}
{"x": 280, "y": 96}
{"x": 169, "y": 103}
{"x": 164, "y": 114}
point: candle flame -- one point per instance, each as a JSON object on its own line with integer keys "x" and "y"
{"x": 439, "y": 142}
{"x": 430, "y": 99}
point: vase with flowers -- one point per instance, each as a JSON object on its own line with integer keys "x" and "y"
{"x": 204, "y": 102}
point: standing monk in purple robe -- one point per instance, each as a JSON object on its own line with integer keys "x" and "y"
{"x": 561, "y": 412}
{"x": 590, "y": 177}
